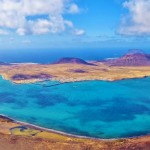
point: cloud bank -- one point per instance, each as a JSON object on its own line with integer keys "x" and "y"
{"x": 137, "y": 20}
{"x": 37, "y": 16}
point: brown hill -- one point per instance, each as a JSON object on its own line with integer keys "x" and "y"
{"x": 130, "y": 59}
{"x": 72, "y": 61}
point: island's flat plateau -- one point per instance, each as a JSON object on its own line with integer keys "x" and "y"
{"x": 30, "y": 73}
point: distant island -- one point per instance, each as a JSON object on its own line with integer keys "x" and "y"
{"x": 132, "y": 65}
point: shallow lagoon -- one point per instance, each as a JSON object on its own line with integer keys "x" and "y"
{"x": 90, "y": 108}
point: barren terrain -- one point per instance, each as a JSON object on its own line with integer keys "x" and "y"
{"x": 17, "y": 136}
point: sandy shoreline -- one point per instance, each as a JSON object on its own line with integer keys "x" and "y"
{"x": 51, "y": 130}
{"x": 64, "y": 133}
{"x": 32, "y": 138}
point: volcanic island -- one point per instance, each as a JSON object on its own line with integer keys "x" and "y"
{"x": 16, "y": 135}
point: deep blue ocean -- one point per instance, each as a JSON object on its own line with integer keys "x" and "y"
{"x": 92, "y": 108}
{"x": 52, "y": 55}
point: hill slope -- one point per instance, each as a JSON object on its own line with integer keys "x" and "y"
{"x": 131, "y": 59}
{"x": 72, "y": 60}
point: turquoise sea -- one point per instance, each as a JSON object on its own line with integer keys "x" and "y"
{"x": 91, "y": 108}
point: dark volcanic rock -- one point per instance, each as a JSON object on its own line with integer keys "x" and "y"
{"x": 27, "y": 77}
{"x": 73, "y": 61}
{"x": 131, "y": 59}
{"x": 78, "y": 71}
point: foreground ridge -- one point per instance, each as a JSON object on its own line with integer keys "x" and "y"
{"x": 18, "y": 136}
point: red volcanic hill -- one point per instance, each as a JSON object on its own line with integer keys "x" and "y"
{"x": 135, "y": 58}
{"x": 72, "y": 61}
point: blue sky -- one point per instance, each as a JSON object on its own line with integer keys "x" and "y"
{"x": 41, "y": 24}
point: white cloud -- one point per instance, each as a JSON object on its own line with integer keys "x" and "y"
{"x": 21, "y": 31}
{"x": 36, "y": 16}
{"x": 137, "y": 21}
{"x": 79, "y": 32}
{"x": 3, "y": 32}
{"x": 74, "y": 9}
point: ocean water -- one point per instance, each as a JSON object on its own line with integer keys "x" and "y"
{"x": 52, "y": 55}
{"x": 91, "y": 108}
{"x": 49, "y": 56}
